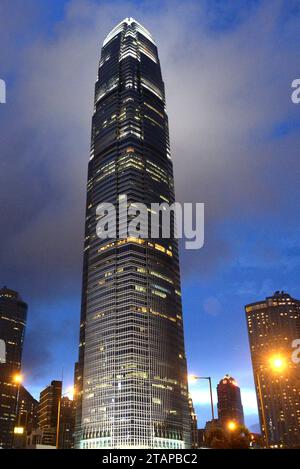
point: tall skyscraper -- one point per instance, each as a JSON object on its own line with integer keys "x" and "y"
{"x": 13, "y": 313}
{"x": 229, "y": 402}
{"x": 131, "y": 378}
{"x": 48, "y": 411}
{"x": 273, "y": 324}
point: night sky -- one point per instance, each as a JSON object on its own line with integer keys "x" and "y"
{"x": 228, "y": 68}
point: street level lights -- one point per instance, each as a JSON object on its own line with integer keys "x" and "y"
{"x": 18, "y": 379}
{"x": 193, "y": 378}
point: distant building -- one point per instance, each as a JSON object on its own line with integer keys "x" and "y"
{"x": 27, "y": 418}
{"x": 28, "y": 410}
{"x": 193, "y": 420}
{"x": 13, "y": 314}
{"x": 201, "y": 437}
{"x": 48, "y": 411}
{"x": 210, "y": 426}
{"x": 41, "y": 439}
{"x": 67, "y": 423}
{"x": 273, "y": 324}
{"x": 229, "y": 402}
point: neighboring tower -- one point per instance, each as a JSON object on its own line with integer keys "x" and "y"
{"x": 13, "y": 313}
{"x": 27, "y": 418}
{"x": 48, "y": 411}
{"x": 66, "y": 425}
{"x": 131, "y": 378}
{"x": 229, "y": 402}
{"x": 273, "y": 324}
{"x": 194, "y": 426}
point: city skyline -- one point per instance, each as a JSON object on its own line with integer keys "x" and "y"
{"x": 244, "y": 257}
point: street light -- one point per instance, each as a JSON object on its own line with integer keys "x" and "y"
{"x": 277, "y": 363}
{"x": 193, "y": 378}
{"x": 231, "y": 425}
{"x": 18, "y": 380}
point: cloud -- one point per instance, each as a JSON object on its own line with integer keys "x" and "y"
{"x": 224, "y": 94}
{"x": 228, "y": 88}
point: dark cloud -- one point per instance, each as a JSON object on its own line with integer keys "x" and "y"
{"x": 228, "y": 88}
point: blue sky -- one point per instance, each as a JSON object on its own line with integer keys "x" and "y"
{"x": 228, "y": 68}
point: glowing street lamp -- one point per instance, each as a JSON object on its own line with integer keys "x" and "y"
{"x": 231, "y": 425}
{"x": 277, "y": 363}
{"x": 193, "y": 379}
{"x": 18, "y": 379}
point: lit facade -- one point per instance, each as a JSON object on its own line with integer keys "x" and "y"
{"x": 48, "y": 411}
{"x": 273, "y": 324}
{"x": 131, "y": 377}
{"x": 13, "y": 314}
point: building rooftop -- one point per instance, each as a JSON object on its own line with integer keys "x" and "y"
{"x": 8, "y": 293}
{"x": 128, "y": 22}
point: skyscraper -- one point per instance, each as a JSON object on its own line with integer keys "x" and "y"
{"x": 131, "y": 377}
{"x": 273, "y": 324}
{"x": 48, "y": 411}
{"x": 13, "y": 313}
{"x": 66, "y": 425}
{"x": 229, "y": 402}
{"x": 27, "y": 418}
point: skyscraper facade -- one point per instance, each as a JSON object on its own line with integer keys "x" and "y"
{"x": 194, "y": 425}
{"x": 131, "y": 378}
{"x": 66, "y": 424}
{"x": 27, "y": 418}
{"x": 48, "y": 411}
{"x": 273, "y": 325}
{"x": 229, "y": 402}
{"x": 13, "y": 314}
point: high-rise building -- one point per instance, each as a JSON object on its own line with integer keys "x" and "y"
{"x": 27, "y": 410}
{"x": 67, "y": 422}
{"x": 13, "y": 313}
{"x": 194, "y": 426}
{"x": 48, "y": 411}
{"x": 131, "y": 377}
{"x": 273, "y": 325}
{"x": 27, "y": 418}
{"x": 229, "y": 402}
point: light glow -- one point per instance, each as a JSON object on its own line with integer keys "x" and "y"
{"x": 18, "y": 378}
{"x": 278, "y": 363}
{"x": 232, "y": 425}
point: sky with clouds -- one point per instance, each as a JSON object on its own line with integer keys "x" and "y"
{"x": 228, "y": 68}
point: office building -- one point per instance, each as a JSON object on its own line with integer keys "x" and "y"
{"x": 273, "y": 325}
{"x": 131, "y": 376}
{"x": 13, "y": 314}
